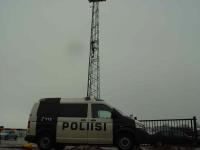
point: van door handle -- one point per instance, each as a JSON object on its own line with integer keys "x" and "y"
{"x": 93, "y": 120}
{"x": 83, "y": 119}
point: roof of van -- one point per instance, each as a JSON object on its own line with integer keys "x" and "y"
{"x": 71, "y": 100}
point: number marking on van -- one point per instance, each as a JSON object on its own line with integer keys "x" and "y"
{"x": 48, "y": 119}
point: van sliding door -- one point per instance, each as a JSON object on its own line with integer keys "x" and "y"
{"x": 72, "y": 125}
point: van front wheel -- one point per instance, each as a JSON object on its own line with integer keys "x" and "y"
{"x": 45, "y": 142}
{"x": 125, "y": 142}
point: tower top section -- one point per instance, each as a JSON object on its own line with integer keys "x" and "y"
{"x": 96, "y": 1}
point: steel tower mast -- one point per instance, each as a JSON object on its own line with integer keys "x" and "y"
{"x": 93, "y": 87}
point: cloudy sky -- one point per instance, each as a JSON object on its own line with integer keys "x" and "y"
{"x": 150, "y": 55}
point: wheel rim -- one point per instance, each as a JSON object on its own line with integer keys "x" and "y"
{"x": 45, "y": 142}
{"x": 125, "y": 143}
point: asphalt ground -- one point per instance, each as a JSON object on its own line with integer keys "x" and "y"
{"x": 163, "y": 148}
{"x": 14, "y": 145}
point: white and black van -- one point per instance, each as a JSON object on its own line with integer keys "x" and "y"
{"x": 58, "y": 122}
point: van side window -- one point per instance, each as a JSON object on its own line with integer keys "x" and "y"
{"x": 73, "y": 110}
{"x": 48, "y": 110}
{"x": 101, "y": 111}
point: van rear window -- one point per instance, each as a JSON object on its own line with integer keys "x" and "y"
{"x": 62, "y": 110}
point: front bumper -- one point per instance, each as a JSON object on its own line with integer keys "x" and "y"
{"x": 30, "y": 138}
{"x": 141, "y": 136}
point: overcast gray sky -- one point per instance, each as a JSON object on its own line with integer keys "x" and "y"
{"x": 150, "y": 55}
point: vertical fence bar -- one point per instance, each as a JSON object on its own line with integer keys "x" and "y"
{"x": 150, "y": 128}
{"x": 160, "y": 125}
{"x": 195, "y": 127}
{"x": 146, "y": 126}
{"x": 167, "y": 126}
{"x": 153, "y": 126}
{"x": 157, "y": 125}
{"x": 188, "y": 127}
{"x": 183, "y": 127}
{"x": 192, "y": 127}
{"x": 180, "y": 125}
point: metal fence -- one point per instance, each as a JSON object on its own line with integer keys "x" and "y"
{"x": 174, "y": 129}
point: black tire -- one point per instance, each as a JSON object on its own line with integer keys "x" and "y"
{"x": 45, "y": 142}
{"x": 125, "y": 141}
{"x": 59, "y": 146}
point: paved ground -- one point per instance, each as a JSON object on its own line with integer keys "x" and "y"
{"x": 166, "y": 148}
{"x": 20, "y": 141}
{"x": 161, "y": 148}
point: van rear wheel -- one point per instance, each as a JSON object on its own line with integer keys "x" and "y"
{"x": 45, "y": 142}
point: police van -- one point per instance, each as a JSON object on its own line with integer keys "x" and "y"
{"x": 59, "y": 122}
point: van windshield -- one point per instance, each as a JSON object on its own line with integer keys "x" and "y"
{"x": 121, "y": 112}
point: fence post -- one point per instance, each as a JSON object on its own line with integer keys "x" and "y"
{"x": 195, "y": 127}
